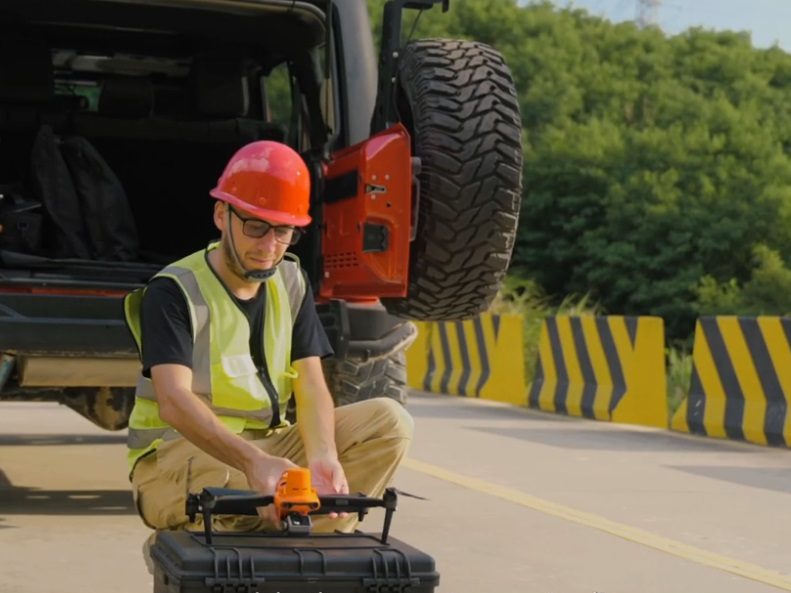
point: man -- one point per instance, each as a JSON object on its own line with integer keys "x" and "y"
{"x": 226, "y": 334}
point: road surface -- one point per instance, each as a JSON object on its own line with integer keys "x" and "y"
{"x": 518, "y": 502}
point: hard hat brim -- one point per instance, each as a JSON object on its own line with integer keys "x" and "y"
{"x": 264, "y": 213}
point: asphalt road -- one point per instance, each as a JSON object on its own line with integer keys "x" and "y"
{"x": 519, "y": 501}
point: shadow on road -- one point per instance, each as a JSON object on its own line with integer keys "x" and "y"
{"x": 610, "y": 440}
{"x": 777, "y": 479}
{"x": 34, "y": 501}
{"x": 48, "y": 440}
{"x": 447, "y": 407}
{"x": 23, "y": 500}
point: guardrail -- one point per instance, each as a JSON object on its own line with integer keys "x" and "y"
{"x": 741, "y": 380}
{"x": 614, "y": 369}
{"x": 607, "y": 368}
{"x": 481, "y": 357}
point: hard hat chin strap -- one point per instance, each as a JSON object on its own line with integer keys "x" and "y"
{"x": 260, "y": 275}
{"x": 250, "y": 275}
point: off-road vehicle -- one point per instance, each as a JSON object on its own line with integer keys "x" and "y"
{"x": 117, "y": 117}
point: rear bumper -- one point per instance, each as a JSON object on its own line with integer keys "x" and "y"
{"x": 69, "y": 325}
{"x": 364, "y": 331}
{"x": 52, "y": 341}
{"x": 55, "y": 341}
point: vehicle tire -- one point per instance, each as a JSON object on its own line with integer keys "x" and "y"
{"x": 370, "y": 355}
{"x": 459, "y": 102}
{"x": 106, "y": 407}
{"x": 353, "y": 379}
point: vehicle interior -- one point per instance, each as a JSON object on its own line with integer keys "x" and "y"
{"x": 116, "y": 119}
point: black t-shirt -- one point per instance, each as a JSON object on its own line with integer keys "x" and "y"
{"x": 167, "y": 329}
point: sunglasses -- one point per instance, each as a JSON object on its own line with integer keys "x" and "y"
{"x": 257, "y": 228}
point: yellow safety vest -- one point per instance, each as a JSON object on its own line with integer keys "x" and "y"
{"x": 224, "y": 375}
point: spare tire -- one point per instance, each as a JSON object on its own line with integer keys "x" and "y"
{"x": 459, "y": 102}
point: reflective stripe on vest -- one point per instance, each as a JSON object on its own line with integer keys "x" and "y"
{"x": 224, "y": 375}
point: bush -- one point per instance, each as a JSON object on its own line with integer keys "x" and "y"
{"x": 520, "y": 296}
{"x": 767, "y": 292}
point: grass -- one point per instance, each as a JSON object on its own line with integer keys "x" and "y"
{"x": 679, "y": 375}
{"x": 518, "y": 296}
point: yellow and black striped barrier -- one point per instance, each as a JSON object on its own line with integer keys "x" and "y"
{"x": 607, "y": 368}
{"x": 741, "y": 380}
{"x": 481, "y": 357}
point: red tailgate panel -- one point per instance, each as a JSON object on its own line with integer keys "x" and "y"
{"x": 367, "y": 217}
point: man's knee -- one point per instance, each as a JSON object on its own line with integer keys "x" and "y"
{"x": 162, "y": 480}
{"x": 392, "y": 418}
{"x": 372, "y": 419}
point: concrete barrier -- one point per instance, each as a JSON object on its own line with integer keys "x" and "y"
{"x": 607, "y": 368}
{"x": 741, "y": 380}
{"x": 481, "y": 357}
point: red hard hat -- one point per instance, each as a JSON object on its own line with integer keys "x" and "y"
{"x": 268, "y": 180}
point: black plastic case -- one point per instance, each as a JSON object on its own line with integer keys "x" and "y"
{"x": 277, "y": 563}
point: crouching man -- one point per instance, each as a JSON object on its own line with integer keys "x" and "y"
{"x": 226, "y": 335}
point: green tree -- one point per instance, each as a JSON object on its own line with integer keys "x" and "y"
{"x": 667, "y": 162}
{"x": 765, "y": 293}
{"x": 651, "y": 162}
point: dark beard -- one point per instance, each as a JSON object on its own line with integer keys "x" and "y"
{"x": 234, "y": 267}
{"x": 230, "y": 260}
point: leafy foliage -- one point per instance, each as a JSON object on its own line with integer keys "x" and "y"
{"x": 766, "y": 292}
{"x": 679, "y": 377}
{"x": 524, "y": 297}
{"x": 655, "y": 166}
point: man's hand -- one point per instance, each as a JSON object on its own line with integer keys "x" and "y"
{"x": 327, "y": 477}
{"x": 316, "y": 413}
{"x": 263, "y": 475}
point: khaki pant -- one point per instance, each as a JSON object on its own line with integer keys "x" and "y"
{"x": 371, "y": 436}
